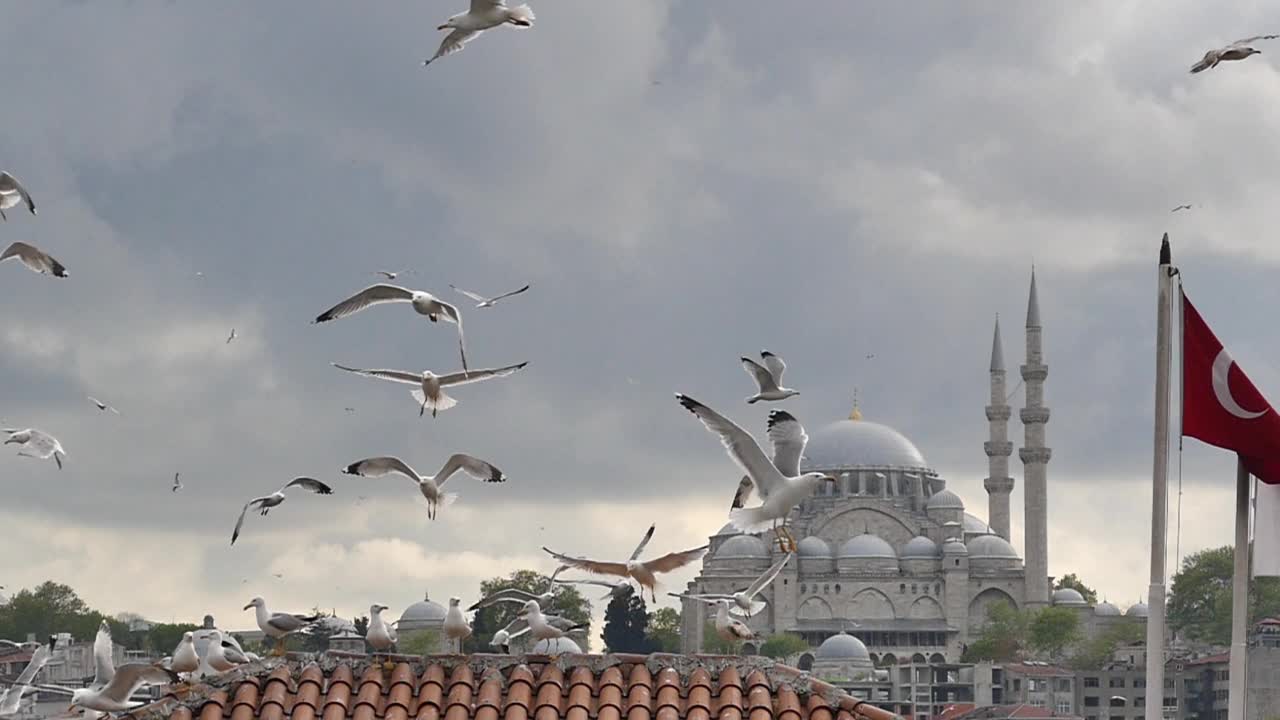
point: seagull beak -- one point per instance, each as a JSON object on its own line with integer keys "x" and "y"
{"x": 246, "y": 607}
{"x": 443, "y": 27}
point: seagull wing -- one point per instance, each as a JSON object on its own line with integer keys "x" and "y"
{"x": 39, "y": 659}
{"x": 741, "y": 446}
{"x": 600, "y": 583}
{"x": 451, "y": 312}
{"x": 643, "y": 542}
{"x": 1253, "y": 39}
{"x": 743, "y": 493}
{"x": 676, "y": 560}
{"x": 473, "y": 466}
{"x": 463, "y": 378}
{"x": 482, "y": 6}
{"x": 468, "y": 293}
{"x": 763, "y": 581}
{"x": 509, "y": 294}
{"x": 775, "y": 365}
{"x": 513, "y": 595}
{"x": 104, "y": 668}
{"x": 759, "y": 373}
{"x": 372, "y": 295}
{"x": 379, "y": 466}
{"x": 9, "y": 184}
{"x": 591, "y": 566}
{"x": 34, "y": 258}
{"x": 399, "y": 376}
{"x": 311, "y": 484}
{"x": 287, "y": 622}
{"x": 788, "y": 438}
{"x": 44, "y": 444}
{"x": 240, "y": 522}
{"x": 453, "y": 42}
{"x": 131, "y": 676}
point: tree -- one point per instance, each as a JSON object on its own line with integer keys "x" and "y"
{"x": 1200, "y": 600}
{"x": 50, "y": 608}
{"x": 1071, "y": 581}
{"x": 163, "y": 638}
{"x": 783, "y": 645}
{"x": 663, "y": 633}
{"x": 362, "y": 628}
{"x": 1002, "y": 637}
{"x": 1053, "y": 630}
{"x": 419, "y": 642}
{"x": 567, "y": 603}
{"x": 624, "y": 625}
{"x": 1093, "y": 654}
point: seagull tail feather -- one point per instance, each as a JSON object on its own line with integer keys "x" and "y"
{"x": 750, "y": 520}
{"x": 444, "y": 402}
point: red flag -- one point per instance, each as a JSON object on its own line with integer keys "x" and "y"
{"x": 1221, "y": 406}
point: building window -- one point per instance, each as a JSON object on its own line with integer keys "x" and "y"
{"x": 913, "y": 589}
{"x": 1091, "y": 682}
{"x": 902, "y": 588}
{"x": 803, "y": 588}
{"x": 1037, "y": 702}
{"x": 1091, "y": 701}
{"x": 837, "y": 588}
{"x": 1064, "y": 685}
{"x": 1139, "y": 682}
{"x": 1140, "y": 701}
{"x": 1064, "y": 707}
{"x": 1168, "y": 684}
{"x": 1017, "y": 685}
{"x": 1117, "y": 682}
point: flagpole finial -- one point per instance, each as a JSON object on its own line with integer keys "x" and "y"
{"x": 1166, "y": 256}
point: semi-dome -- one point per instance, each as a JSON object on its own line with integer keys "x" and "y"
{"x": 991, "y": 546}
{"x": 944, "y": 499}
{"x": 975, "y": 525}
{"x": 867, "y": 545}
{"x": 424, "y": 611}
{"x": 1138, "y": 610}
{"x": 920, "y": 547}
{"x": 1106, "y": 609}
{"x": 954, "y": 547}
{"x": 858, "y": 443}
{"x": 556, "y": 646}
{"x": 742, "y": 546}
{"x": 842, "y": 647}
{"x": 1068, "y": 596}
{"x": 814, "y": 547}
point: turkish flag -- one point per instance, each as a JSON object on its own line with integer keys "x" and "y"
{"x": 1221, "y": 406}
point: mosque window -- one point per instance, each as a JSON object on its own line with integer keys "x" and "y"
{"x": 914, "y": 590}
{"x": 937, "y": 588}
{"x": 826, "y": 589}
{"x": 902, "y": 588}
{"x": 802, "y": 587}
{"x": 837, "y": 588}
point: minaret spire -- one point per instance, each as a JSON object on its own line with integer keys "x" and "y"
{"x": 998, "y": 448}
{"x": 1035, "y": 457}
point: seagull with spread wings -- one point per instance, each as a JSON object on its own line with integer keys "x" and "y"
{"x": 483, "y": 15}
{"x": 484, "y": 302}
{"x": 744, "y": 602}
{"x": 621, "y": 588}
{"x": 429, "y": 485}
{"x": 424, "y": 303}
{"x": 266, "y": 502}
{"x": 768, "y": 377}
{"x": 37, "y": 444}
{"x": 519, "y": 596}
{"x": 644, "y": 573}
{"x": 102, "y": 406}
{"x": 430, "y": 391}
{"x": 115, "y": 694}
{"x": 35, "y": 259}
{"x": 779, "y": 482}
{"x": 279, "y": 625}
{"x": 11, "y": 700}
{"x": 1238, "y": 50}
{"x": 1180, "y": 207}
{"x": 12, "y": 194}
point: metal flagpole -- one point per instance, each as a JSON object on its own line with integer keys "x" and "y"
{"x": 1239, "y": 597}
{"x": 1160, "y": 491}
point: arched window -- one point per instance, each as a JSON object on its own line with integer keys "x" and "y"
{"x": 902, "y": 588}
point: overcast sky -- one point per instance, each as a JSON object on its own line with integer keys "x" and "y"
{"x": 682, "y": 182}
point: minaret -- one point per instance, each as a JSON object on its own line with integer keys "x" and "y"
{"x": 998, "y": 483}
{"x": 1035, "y": 459}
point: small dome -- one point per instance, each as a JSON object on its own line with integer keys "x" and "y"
{"x": 742, "y": 546}
{"x": 728, "y": 529}
{"x": 944, "y": 499}
{"x": 858, "y": 443}
{"x": 1138, "y": 610}
{"x": 991, "y": 546}
{"x": 974, "y": 525}
{"x": 1106, "y": 609}
{"x": 424, "y": 612}
{"x": 954, "y": 547}
{"x": 814, "y": 547}
{"x": 1068, "y": 596}
{"x": 842, "y": 647}
{"x": 920, "y": 547}
{"x": 867, "y": 546}
{"x": 558, "y": 646}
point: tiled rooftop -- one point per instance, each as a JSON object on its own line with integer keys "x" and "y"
{"x": 340, "y": 686}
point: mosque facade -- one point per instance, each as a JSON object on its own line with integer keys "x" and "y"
{"x": 889, "y": 557}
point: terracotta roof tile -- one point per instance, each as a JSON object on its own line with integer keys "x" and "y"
{"x": 211, "y": 709}
{"x": 181, "y": 713}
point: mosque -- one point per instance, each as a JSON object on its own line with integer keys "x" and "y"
{"x": 892, "y": 569}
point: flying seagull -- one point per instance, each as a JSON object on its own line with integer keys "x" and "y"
{"x": 37, "y": 444}
{"x": 484, "y": 302}
{"x": 424, "y": 303}
{"x": 35, "y": 259}
{"x": 644, "y": 573}
{"x": 431, "y": 386}
{"x": 768, "y": 378}
{"x": 744, "y": 602}
{"x": 429, "y": 485}
{"x": 12, "y": 193}
{"x": 388, "y": 274}
{"x": 456, "y": 626}
{"x": 115, "y": 695}
{"x": 231, "y": 337}
{"x": 519, "y": 596}
{"x": 1181, "y": 207}
{"x": 177, "y": 484}
{"x": 1238, "y": 50}
{"x": 484, "y": 14}
{"x": 547, "y": 627}
{"x": 779, "y": 482}
{"x": 12, "y": 699}
{"x": 102, "y": 406}
{"x": 618, "y": 589}
{"x": 502, "y": 639}
{"x": 266, "y": 502}
{"x": 278, "y": 625}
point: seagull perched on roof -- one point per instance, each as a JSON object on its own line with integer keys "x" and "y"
{"x": 430, "y": 392}
{"x": 519, "y": 596}
{"x": 644, "y": 573}
{"x": 768, "y": 378}
{"x": 37, "y": 444}
{"x": 185, "y": 659}
{"x": 484, "y": 302}
{"x": 12, "y": 193}
{"x": 483, "y": 15}
{"x": 455, "y": 625}
{"x": 424, "y": 303}
{"x": 279, "y": 625}
{"x": 548, "y": 627}
{"x": 429, "y": 485}
{"x": 266, "y": 502}
{"x": 744, "y": 602}
{"x": 1238, "y": 50}
{"x": 35, "y": 259}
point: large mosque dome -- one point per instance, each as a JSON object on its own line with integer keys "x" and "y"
{"x": 858, "y": 443}
{"x": 422, "y": 614}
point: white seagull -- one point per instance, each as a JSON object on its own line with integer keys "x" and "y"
{"x": 381, "y": 636}
{"x": 231, "y": 337}
{"x": 429, "y": 485}
{"x": 768, "y": 378}
{"x": 37, "y": 444}
{"x": 730, "y": 629}
{"x": 12, "y": 699}
{"x": 102, "y": 406}
{"x": 35, "y": 259}
{"x": 779, "y": 482}
{"x": 1238, "y": 50}
{"x": 484, "y": 302}
{"x": 185, "y": 659}
{"x": 221, "y": 655}
{"x": 744, "y": 602}
{"x": 424, "y": 303}
{"x": 114, "y": 696}
{"x": 547, "y": 627}
{"x": 12, "y": 193}
{"x": 501, "y": 640}
{"x": 520, "y": 596}
{"x": 278, "y": 625}
{"x": 266, "y": 502}
{"x": 484, "y": 14}
{"x": 618, "y": 589}
{"x": 644, "y": 573}
{"x": 456, "y": 626}
{"x": 430, "y": 393}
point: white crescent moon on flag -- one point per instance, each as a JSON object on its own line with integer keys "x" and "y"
{"x": 1221, "y": 367}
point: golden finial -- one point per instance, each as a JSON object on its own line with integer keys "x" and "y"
{"x": 855, "y": 414}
